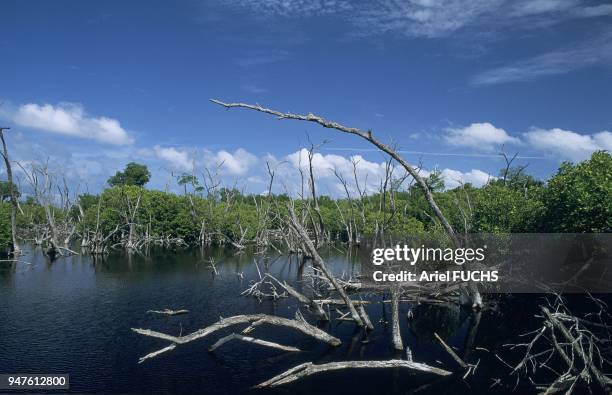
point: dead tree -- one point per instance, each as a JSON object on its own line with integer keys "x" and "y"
{"x": 16, "y": 250}
{"x": 580, "y": 345}
{"x": 397, "y": 336}
{"x": 41, "y": 181}
{"x": 319, "y": 228}
{"x": 368, "y": 136}
{"x": 360, "y": 317}
{"x": 349, "y": 223}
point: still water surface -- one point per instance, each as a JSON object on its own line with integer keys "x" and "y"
{"x": 74, "y": 316}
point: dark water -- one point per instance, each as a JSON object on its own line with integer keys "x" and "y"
{"x": 74, "y": 316}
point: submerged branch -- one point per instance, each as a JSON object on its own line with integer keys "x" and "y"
{"x": 308, "y": 369}
{"x": 265, "y": 343}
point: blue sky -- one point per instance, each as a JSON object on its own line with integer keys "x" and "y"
{"x": 94, "y": 85}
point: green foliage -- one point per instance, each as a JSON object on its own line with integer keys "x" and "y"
{"x": 576, "y": 199}
{"x": 499, "y": 209}
{"x": 579, "y": 197}
{"x": 6, "y": 239}
{"x": 5, "y": 191}
{"x": 133, "y": 174}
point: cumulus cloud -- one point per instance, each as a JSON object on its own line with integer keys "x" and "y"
{"x": 454, "y": 178}
{"x": 323, "y": 166}
{"x": 71, "y": 120}
{"x": 567, "y": 144}
{"x": 178, "y": 159}
{"x": 483, "y": 136}
{"x": 237, "y": 163}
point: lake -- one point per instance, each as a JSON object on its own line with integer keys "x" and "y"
{"x": 74, "y": 316}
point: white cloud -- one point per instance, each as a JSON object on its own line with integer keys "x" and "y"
{"x": 71, "y": 120}
{"x": 237, "y": 163}
{"x": 594, "y": 11}
{"x": 454, "y": 178}
{"x": 552, "y": 63}
{"x": 369, "y": 173}
{"x": 291, "y": 8}
{"x": 567, "y": 144}
{"x": 428, "y": 18}
{"x": 324, "y": 165}
{"x": 483, "y": 136}
{"x": 178, "y": 159}
{"x": 533, "y": 7}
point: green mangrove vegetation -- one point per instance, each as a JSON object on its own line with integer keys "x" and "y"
{"x": 578, "y": 198}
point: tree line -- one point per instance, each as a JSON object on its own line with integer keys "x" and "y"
{"x": 577, "y": 198}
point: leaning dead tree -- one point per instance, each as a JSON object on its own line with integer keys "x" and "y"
{"x": 358, "y": 314}
{"x": 16, "y": 250}
{"x": 368, "y": 136}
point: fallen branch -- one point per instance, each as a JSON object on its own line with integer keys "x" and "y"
{"x": 168, "y": 312}
{"x": 253, "y": 319}
{"x": 340, "y": 302}
{"x": 603, "y": 380}
{"x": 451, "y": 352}
{"x": 308, "y": 369}
{"x": 318, "y": 309}
{"x": 156, "y": 353}
{"x": 236, "y": 336}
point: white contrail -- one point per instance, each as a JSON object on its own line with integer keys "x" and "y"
{"x": 433, "y": 153}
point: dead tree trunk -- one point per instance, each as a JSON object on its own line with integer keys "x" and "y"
{"x": 397, "y": 336}
{"x": 16, "y": 250}
{"x": 361, "y": 319}
{"x": 320, "y": 227}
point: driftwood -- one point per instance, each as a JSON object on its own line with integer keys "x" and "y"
{"x": 340, "y": 302}
{"x": 395, "y": 328}
{"x": 584, "y": 353}
{"x": 265, "y": 343}
{"x": 316, "y": 307}
{"x": 156, "y": 353}
{"x": 168, "y": 312}
{"x": 577, "y": 347}
{"x": 298, "y": 324}
{"x": 451, "y": 352}
{"x": 308, "y": 369}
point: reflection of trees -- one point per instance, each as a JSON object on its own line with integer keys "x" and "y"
{"x": 444, "y": 320}
{"x": 7, "y": 270}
